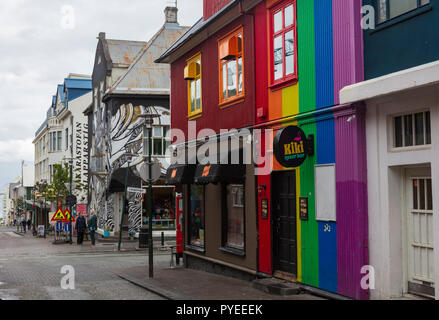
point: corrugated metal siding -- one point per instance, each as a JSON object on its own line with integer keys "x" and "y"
{"x": 306, "y": 55}
{"x": 325, "y": 127}
{"x": 348, "y": 53}
{"x": 324, "y": 53}
{"x": 351, "y": 204}
{"x": 309, "y": 229}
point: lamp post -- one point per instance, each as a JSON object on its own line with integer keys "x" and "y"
{"x": 149, "y": 117}
{"x": 129, "y": 155}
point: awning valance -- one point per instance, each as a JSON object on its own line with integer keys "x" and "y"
{"x": 217, "y": 173}
{"x": 178, "y": 174}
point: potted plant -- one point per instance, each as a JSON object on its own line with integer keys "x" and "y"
{"x": 131, "y": 235}
{"x": 107, "y": 232}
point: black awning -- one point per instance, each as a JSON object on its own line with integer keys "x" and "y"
{"x": 118, "y": 177}
{"x": 178, "y": 174}
{"x": 217, "y": 173}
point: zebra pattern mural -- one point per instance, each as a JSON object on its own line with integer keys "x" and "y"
{"x": 118, "y": 133}
{"x": 109, "y": 223}
{"x": 135, "y": 201}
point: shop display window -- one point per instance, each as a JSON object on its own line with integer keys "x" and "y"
{"x": 196, "y": 218}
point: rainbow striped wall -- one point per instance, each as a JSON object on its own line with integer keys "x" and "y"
{"x": 329, "y": 58}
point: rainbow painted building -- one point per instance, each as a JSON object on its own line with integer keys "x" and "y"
{"x": 328, "y": 248}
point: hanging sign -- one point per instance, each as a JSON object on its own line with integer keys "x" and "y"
{"x": 290, "y": 147}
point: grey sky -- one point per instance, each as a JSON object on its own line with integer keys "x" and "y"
{"x": 40, "y": 45}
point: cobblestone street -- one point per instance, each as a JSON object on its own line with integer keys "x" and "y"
{"x": 30, "y": 269}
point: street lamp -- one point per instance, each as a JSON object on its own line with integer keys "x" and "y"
{"x": 129, "y": 158}
{"x": 149, "y": 116}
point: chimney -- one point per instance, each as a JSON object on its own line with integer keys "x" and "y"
{"x": 171, "y": 14}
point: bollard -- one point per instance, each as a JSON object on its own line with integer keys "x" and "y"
{"x": 163, "y": 239}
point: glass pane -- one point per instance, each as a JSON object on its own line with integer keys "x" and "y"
{"x": 239, "y": 43}
{"x": 192, "y": 96}
{"x": 240, "y": 76}
{"x": 289, "y": 16}
{"x": 421, "y": 194}
{"x": 398, "y": 7}
{"x": 382, "y": 11}
{"x": 278, "y": 58}
{"x": 415, "y": 194}
{"x": 224, "y": 81}
{"x": 427, "y": 128}
{"x": 197, "y": 215}
{"x": 231, "y": 78}
{"x": 289, "y": 53}
{"x": 235, "y": 216}
{"x": 157, "y": 131}
{"x": 429, "y": 195}
{"x": 166, "y": 130}
{"x": 398, "y": 132}
{"x": 408, "y": 132}
{"x": 198, "y": 94}
{"x": 419, "y": 128}
{"x": 158, "y": 147}
{"x": 278, "y": 21}
{"x": 165, "y": 146}
{"x": 59, "y": 140}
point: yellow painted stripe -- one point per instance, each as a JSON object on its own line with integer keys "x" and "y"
{"x": 290, "y": 101}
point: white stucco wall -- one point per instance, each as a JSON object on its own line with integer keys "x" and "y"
{"x": 387, "y": 241}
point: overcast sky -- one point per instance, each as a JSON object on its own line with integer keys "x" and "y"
{"x": 42, "y": 41}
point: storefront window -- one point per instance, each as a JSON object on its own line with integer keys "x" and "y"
{"x": 163, "y": 210}
{"x": 196, "y": 219}
{"x": 234, "y": 220}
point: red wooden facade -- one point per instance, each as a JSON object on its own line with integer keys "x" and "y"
{"x": 214, "y": 116}
{"x": 210, "y": 7}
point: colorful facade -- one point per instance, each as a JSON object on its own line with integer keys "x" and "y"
{"x": 296, "y": 86}
{"x": 330, "y": 254}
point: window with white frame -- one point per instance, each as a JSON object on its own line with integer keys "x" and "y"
{"x": 160, "y": 140}
{"x": 412, "y": 129}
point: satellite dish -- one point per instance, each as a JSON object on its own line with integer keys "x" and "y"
{"x": 155, "y": 170}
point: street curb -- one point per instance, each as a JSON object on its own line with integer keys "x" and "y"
{"x": 153, "y": 288}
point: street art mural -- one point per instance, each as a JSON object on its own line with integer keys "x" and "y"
{"x": 116, "y": 135}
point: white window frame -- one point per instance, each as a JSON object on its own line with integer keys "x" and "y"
{"x": 391, "y": 132}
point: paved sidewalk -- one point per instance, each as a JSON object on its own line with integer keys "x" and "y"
{"x": 187, "y": 284}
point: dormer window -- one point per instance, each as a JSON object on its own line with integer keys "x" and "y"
{"x": 231, "y": 67}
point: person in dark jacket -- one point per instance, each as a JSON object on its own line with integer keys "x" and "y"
{"x": 92, "y": 225}
{"x": 80, "y": 227}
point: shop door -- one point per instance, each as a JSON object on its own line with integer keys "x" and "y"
{"x": 284, "y": 221}
{"x": 420, "y": 266}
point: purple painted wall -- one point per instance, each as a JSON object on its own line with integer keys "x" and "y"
{"x": 348, "y": 45}
{"x": 351, "y": 177}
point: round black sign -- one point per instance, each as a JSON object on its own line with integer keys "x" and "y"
{"x": 290, "y": 146}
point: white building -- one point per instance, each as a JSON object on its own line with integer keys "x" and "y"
{"x": 64, "y": 133}
{"x": 402, "y": 130}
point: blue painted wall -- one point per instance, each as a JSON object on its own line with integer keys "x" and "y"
{"x": 403, "y": 42}
{"x": 324, "y": 46}
{"x": 327, "y": 231}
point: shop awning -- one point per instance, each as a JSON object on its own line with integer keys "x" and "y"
{"x": 178, "y": 174}
{"x": 118, "y": 177}
{"x": 217, "y": 173}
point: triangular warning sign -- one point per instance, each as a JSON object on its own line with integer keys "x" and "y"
{"x": 59, "y": 216}
{"x": 67, "y": 216}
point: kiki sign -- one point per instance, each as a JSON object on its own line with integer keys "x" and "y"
{"x": 291, "y": 147}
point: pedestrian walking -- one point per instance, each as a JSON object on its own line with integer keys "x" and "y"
{"x": 23, "y": 223}
{"x": 80, "y": 228}
{"x": 92, "y": 225}
{"x": 29, "y": 223}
